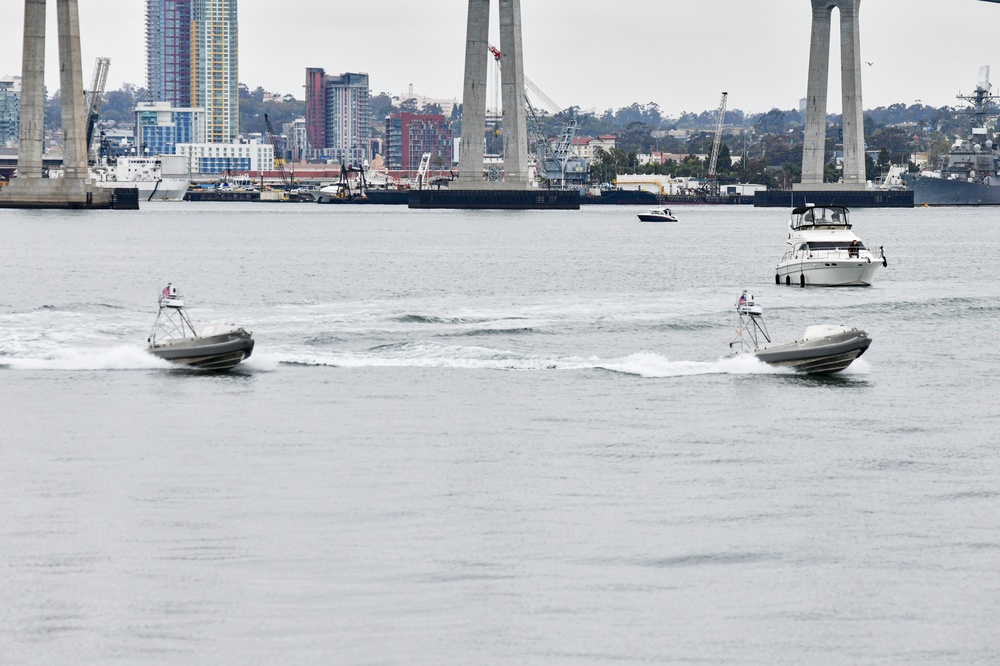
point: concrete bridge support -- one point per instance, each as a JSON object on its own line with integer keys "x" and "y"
{"x": 813, "y": 157}
{"x": 470, "y": 156}
{"x": 474, "y": 97}
{"x": 516, "y": 191}
{"x": 32, "y": 134}
{"x": 74, "y": 189}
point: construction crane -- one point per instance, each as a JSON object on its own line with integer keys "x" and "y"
{"x": 279, "y": 161}
{"x": 553, "y": 163}
{"x": 713, "y": 162}
{"x": 93, "y": 99}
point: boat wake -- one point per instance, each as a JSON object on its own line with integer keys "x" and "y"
{"x": 656, "y": 366}
{"x": 430, "y": 355}
{"x": 119, "y": 357}
{"x": 859, "y": 367}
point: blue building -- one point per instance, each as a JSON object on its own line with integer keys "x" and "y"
{"x": 10, "y": 110}
{"x": 159, "y": 127}
{"x": 168, "y": 51}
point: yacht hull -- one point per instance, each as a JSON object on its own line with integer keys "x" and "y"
{"x": 214, "y": 352}
{"x": 828, "y": 273}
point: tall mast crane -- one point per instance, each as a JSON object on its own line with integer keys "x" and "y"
{"x": 543, "y": 152}
{"x": 279, "y": 161}
{"x": 93, "y": 99}
{"x": 714, "y": 161}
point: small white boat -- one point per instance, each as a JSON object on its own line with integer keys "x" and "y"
{"x": 173, "y": 338}
{"x": 657, "y": 215}
{"x": 822, "y": 348}
{"x": 825, "y": 252}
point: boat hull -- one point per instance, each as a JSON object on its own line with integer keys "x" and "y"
{"x": 930, "y": 191}
{"x": 215, "y": 352}
{"x": 824, "y": 355}
{"x": 828, "y": 273}
{"x": 166, "y": 189}
{"x": 644, "y": 217}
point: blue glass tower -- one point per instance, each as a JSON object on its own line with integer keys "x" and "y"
{"x": 168, "y": 51}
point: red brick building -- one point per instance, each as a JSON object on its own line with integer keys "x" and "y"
{"x": 409, "y": 135}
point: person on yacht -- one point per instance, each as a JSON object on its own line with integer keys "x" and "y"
{"x": 853, "y": 250}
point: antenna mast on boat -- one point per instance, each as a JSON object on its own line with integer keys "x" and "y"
{"x": 980, "y": 98}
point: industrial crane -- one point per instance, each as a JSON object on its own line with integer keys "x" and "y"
{"x": 279, "y": 161}
{"x": 93, "y": 99}
{"x": 553, "y": 163}
{"x": 714, "y": 160}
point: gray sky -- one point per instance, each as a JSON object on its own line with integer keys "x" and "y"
{"x": 593, "y": 53}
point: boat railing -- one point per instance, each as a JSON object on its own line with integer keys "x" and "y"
{"x": 834, "y": 254}
{"x": 171, "y": 301}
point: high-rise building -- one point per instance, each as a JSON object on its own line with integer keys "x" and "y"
{"x": 409, "y": 135}
{"x": 168, "y": 51}
{"x": 338, "y": 116}
{"x": 214, "y": 71}
{"x": 316, "y": 108}
{"x": 160, "y": 127}
{"x": 10, "y": 110}
{"x": 295, "y": 142}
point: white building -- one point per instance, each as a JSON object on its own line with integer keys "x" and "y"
{"x": 447, "y": 105}
{"x": 296, "y": 141}
{"x": 206, "y": 158}
{"x": 663, "y": 185}
{"x": 584, "y": 147}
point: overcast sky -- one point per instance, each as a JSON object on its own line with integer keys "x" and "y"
{"x": 595, "y": 54}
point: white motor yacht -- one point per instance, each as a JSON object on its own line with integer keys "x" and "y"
{"x": 822, "y": 349}
{"x": 657, "y": 215}
{"x": 825, "y": 252}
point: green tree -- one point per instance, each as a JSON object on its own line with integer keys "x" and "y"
{"x": 637, "y": 137}
{"x": 831, "y": 172}
{"x": 725, "y": 160}
{"x": 381, "y": 106}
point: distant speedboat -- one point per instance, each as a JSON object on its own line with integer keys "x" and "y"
{"x": 173, "y": 338}
{"x": 657, "y": 215}
{"x": 825, "y": 252}
{"x": 822, "y": 349}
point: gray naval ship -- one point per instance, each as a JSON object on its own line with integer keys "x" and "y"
{"x": 969, "y": 175}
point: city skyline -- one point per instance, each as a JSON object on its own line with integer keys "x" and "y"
{"x": 677, "y": 54}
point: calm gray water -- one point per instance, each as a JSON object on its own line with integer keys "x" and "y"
{"x": 489, "y": 437}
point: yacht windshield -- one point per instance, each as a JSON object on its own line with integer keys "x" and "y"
{"x": 832, "y": 245}
{"x": 819, "y": 216}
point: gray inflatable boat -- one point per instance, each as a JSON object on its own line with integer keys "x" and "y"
{"x": 822, "y": 349}
{"x": 173, "y": 338}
